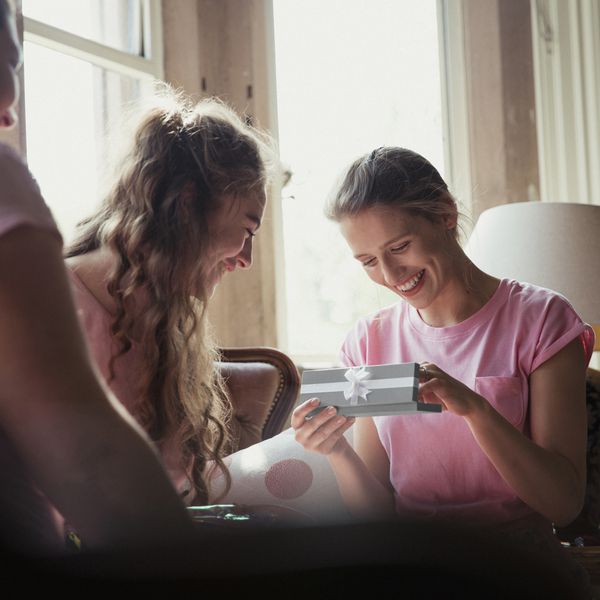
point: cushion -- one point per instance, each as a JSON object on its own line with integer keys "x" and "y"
{"x": 279, "y": 472}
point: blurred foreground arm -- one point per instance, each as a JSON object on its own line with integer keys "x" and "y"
{"x": 83, "y": 450}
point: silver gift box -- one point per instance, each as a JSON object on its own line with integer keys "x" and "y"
{"x": 372, "y": 390}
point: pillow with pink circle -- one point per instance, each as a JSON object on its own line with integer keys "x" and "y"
{"x": 279, "y": 472}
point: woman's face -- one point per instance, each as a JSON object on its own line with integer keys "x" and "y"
{"x": 10, "y": 63}
{"x": 232, "y": 228}
{"x": 409, "y": 255}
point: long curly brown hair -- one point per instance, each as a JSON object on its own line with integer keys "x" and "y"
{"x": 160, "y": 238}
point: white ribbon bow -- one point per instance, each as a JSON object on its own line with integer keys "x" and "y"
{"x": 358, "y": 389}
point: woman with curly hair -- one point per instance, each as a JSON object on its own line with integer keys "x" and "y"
{"x": 183, "y": 211}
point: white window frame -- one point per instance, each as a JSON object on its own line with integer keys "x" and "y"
{"x": 566, "y": 47}
{"x": 107, "y": 57}
{"x": 455, "y": 106}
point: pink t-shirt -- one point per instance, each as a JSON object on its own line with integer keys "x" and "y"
{"x": 27, "y": 520}
{"x": 96, "y": 322}
{"x": 436, "y": 466}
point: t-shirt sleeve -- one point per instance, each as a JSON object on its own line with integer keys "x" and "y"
{"x": 21, "y": 202}
{"x": 559, "y": 325}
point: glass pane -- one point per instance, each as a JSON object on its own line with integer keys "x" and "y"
{"x": 116, "y": 23}
{"x": 69, "y": 105}
{"x": 369, "y": 77}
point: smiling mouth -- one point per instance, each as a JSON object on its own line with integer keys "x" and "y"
{"x": 412, "y": 283}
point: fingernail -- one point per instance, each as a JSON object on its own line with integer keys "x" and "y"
{"x": 332, "y": 410}
{"x": 314, "y": 401}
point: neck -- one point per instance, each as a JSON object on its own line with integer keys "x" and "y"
{"x": 462, "y": 295}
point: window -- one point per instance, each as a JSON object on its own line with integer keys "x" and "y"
{"x": 566, "y": 46}
{"x": 84, "y": 61}
{"x": 352, "y": 75}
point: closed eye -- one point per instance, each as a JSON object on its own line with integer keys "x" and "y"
{"x": 250, "y": 233}
{"x": 400, "y": 247}
{"x": 368, "y": 263}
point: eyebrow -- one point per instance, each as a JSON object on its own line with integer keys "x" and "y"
{"x": 396, "y": 238}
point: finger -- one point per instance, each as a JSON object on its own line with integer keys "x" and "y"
{"x": 329, "y": 444}
{"x": 429, "y": 390}
{"x": 333, "y": 432}
{"x": 306, "y": 431}
{"x": 433, "y": 384}
{"x": 425, "y": 370}
{"x": 302, "y": 410}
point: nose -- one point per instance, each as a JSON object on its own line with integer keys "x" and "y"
{"x": 391, "y": 272}
{"x": 8, "y": 118}
{"x": 244, "y": 258}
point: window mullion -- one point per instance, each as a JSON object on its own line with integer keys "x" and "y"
{"x": 89, "y": 50}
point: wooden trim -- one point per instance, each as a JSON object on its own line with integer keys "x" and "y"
{"x": 224, "y": 48}
{"x": 501, "y": 102}
{"x": 289, "y": 385}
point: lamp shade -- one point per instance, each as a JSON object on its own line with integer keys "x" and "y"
{"x": 555, "y": 245}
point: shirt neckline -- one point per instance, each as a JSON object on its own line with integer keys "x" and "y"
{"x": 81, "y": 284}
{"x": 475, "y": 320}
{"x": 105, "y": 312}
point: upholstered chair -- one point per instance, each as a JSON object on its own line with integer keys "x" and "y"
{"x": 263, "y": 384}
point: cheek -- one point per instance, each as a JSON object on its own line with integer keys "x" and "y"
{"x": 375, "y": 276}
{"x": 232, "y": 244}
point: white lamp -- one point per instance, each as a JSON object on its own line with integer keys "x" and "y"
{"x": 552, "y": 244}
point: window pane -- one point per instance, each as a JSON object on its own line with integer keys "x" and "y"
{"x": 116, "y": 23}
{"x": 369, "y": 76}
{"x": 69, "y": 105}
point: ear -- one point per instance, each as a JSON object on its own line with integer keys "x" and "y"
{"x": 450, "y": 219}
{"x": 187, "y": 196}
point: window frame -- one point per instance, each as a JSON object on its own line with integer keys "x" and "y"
{"x": 566, "y": 44}
{"x": 102, "y": 55}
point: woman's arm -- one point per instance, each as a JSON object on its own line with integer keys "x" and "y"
{"x": 362, "y": 475}
{"x": 548, "y": 471}
{"x": 83, "y": 451}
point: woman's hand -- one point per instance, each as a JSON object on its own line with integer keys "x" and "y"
{"x": 322, "y": 433}
{"x": 437, "y": 387}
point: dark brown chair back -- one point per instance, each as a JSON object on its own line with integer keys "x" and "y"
{"x": 263, "y": 384}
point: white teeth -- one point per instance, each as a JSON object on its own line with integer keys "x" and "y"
{"x": 411, "y": 283}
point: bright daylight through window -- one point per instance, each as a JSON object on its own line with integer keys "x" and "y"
{"x": 81, "y": 68}
{"x": 352, "y": 75}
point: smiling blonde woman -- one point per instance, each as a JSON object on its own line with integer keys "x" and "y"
{"x": 506, "y": 360}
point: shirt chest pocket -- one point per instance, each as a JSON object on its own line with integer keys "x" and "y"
{"x": 505, "y": 395}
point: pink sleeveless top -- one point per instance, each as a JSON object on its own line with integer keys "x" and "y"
{"x": 96, "y": 322}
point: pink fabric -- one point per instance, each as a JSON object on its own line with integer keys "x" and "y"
{"x": 96, "y": 322}
{"x": 27, "y": 521}
{"x": 436, "y": 466}
{"x": 20, "y": 200}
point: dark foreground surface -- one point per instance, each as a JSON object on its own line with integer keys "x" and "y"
{"x": 408, "y": 560}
